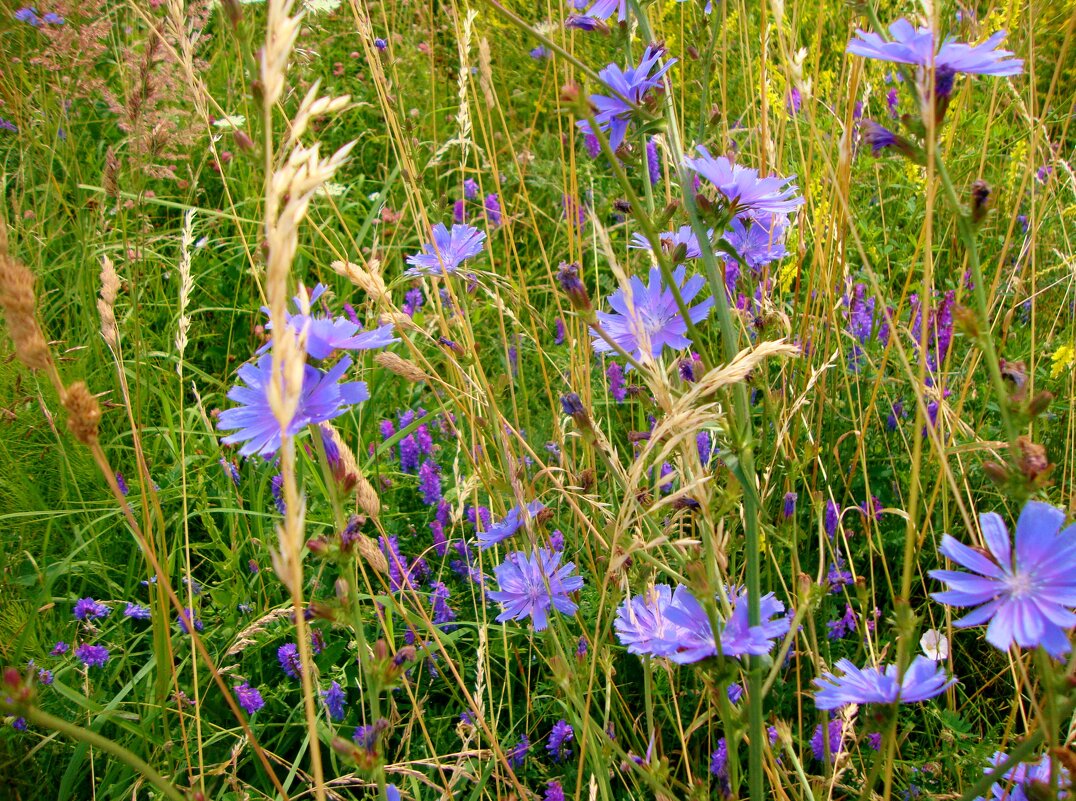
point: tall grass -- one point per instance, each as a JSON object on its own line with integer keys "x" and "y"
{"x": 175, "y": 167}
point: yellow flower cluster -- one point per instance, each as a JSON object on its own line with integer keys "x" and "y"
{"x": 1063, "y": 359}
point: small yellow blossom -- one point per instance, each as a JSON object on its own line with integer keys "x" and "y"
{"x": 1064, "y": 357}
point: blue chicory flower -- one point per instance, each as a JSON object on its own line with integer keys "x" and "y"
{"x": 447, "y": 251}
{"x": 923, "y": 679}
{"x": 1027, "y": 596}
{"x": 531, "y": 585}
{"x": 630, "y": 86}
{"x": 650, "y": 321}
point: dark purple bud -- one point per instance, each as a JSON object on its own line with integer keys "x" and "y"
{"x": 570, "y": 282}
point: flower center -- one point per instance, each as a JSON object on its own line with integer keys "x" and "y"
{"x": 1020, "y": 585}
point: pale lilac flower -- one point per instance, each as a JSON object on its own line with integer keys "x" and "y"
{"x": 673, "y": 624}
{"x": 681, "y": 243}
{"x": 1028, "y": 595}
{"x": 322, "y": 397}
{"x": 530, "y": 585}
{"x": 916, "y": 46}
{"x": 447, "y": 251}
{"x": 325, "y": 334}
{"x": 923, "y": 679}
{"x": 759, "y": 239}
{"x": 651, "y": 319}
{"x": 603, "y": 9}
{"x": 1018, "y": 780}
{"x": 742, "y": 187}
{"x": 630, "y": 86}
{"x": 509, "y": 525}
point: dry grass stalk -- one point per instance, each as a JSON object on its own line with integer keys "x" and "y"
{"x": 84, "y": 413}
{"x": 186, "y": 284}
{"x": 368, "y": 280}
{"x": 19, "y": 303}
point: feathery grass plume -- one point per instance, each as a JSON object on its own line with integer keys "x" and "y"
{"x": 401, "y": 367}
{"x": 463, "y": 114}
{"x": 110, "y": 288}
{"x": 19, "y": 303}
{"x": 186, "y": 284}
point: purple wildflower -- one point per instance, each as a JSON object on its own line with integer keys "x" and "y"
{"x": 680, "y": 244}
{"x": 60, "y": 648}
{"x": 653, "y": 161}
{"x": 184, "y": 617}
{"x": 615, "y": 373}
{"x": 326, "y": 335}
{"x": 558, "y": 331}
{"x": 86, "y": 608}
{"x": 916, "y": 46}
{"x": 530, "y": 585}
{"x": 843, "y": 625}
{"x": 288, "y": 656}
{"x": 136, "y": 612}
{"x": 603, "y": 9}
{"x": 517, "y": 755}
{"x": 834, "y": 731}
{"x": 276, "y": 487}
{"x": 443, "y": 614}
{"x": 837, "y": 576}
{"x": 832, "y": 518}
{"x": 470, "y": 189}
{"x": 429, "y": 482}
{"x": 789, "y": 508}
{"x": 45, "y": 676}
{"x": 92, "y": 655}
{"x": 121, "y": 482}
{"x": 28, "y": 15}
{"x": 923, "y": 679}
{"x": 559, "y": 737}
{"x": 742, "y": 187}
{"x": 322, "y": 397}
{"x": 459, "y": 211}
{"x": 553, "y": 791}
{"x": 1028, "y": 780}
{"x": 719, "y": 760}
{"x": 1028, "y": 595}
{"x": 381, "y": 44}
{"x": 630, "y": 85}
{"x": 249, "y": 698}
{"x": 512, "y": 522}
{"x": 759, "y": 239}
{"x": 652, "y": 320}
{"x": 413, "y": 301}
{"x": 493, "y": 209}
{"x": 447, "y": 251}
{"x": 335, "y": 701}
{"x": 675, "y": 625}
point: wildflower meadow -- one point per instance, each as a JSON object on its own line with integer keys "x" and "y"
{"x": 593, "y": 400}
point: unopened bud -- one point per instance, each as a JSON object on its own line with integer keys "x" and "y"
{"x": 572, "y": 284}
{"x": 1040, "y": 403}
{"x": 243, "y": 141}
{"x": 997, "y": 473}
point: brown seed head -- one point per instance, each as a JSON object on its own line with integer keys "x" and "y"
{"x": 401, "y": 367}
{"x": 19, "y": 304}
{"x": 83, "y": 412}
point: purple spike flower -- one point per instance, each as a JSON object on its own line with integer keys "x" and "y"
{"x": 92, "y": 655}
{"x": 630, "y": 86}
{"x": 651, "y": 318}
{"x": 447, "y": 251}
{"x": 559, "y": 737}
{"x": 335, "y": 701}
{"x": 322, "y": 397}
{"x": 136, "y": 612}
{"x": 86, "y": 608}
{"x": 517, "y": 755}
{"x": 288, "y": 656}
{"x": 429, "y": 482}
{"x": 835, "y": 731}
{"x": 923, "y": 679}
{"x": 653, "y": 161}
{"x": 615, "y": 373}
{"x": 512, "y": 522}
{"x": 1028, "y": 595}
{"x": 249, "y": 698}
{"x": 530, "y": 585}
{"x": 742, "y": 187}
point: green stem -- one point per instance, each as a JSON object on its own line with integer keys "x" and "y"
{"x": 95, "y": 740}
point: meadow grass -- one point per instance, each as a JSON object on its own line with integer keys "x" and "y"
{"x": 313, "y": 617}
